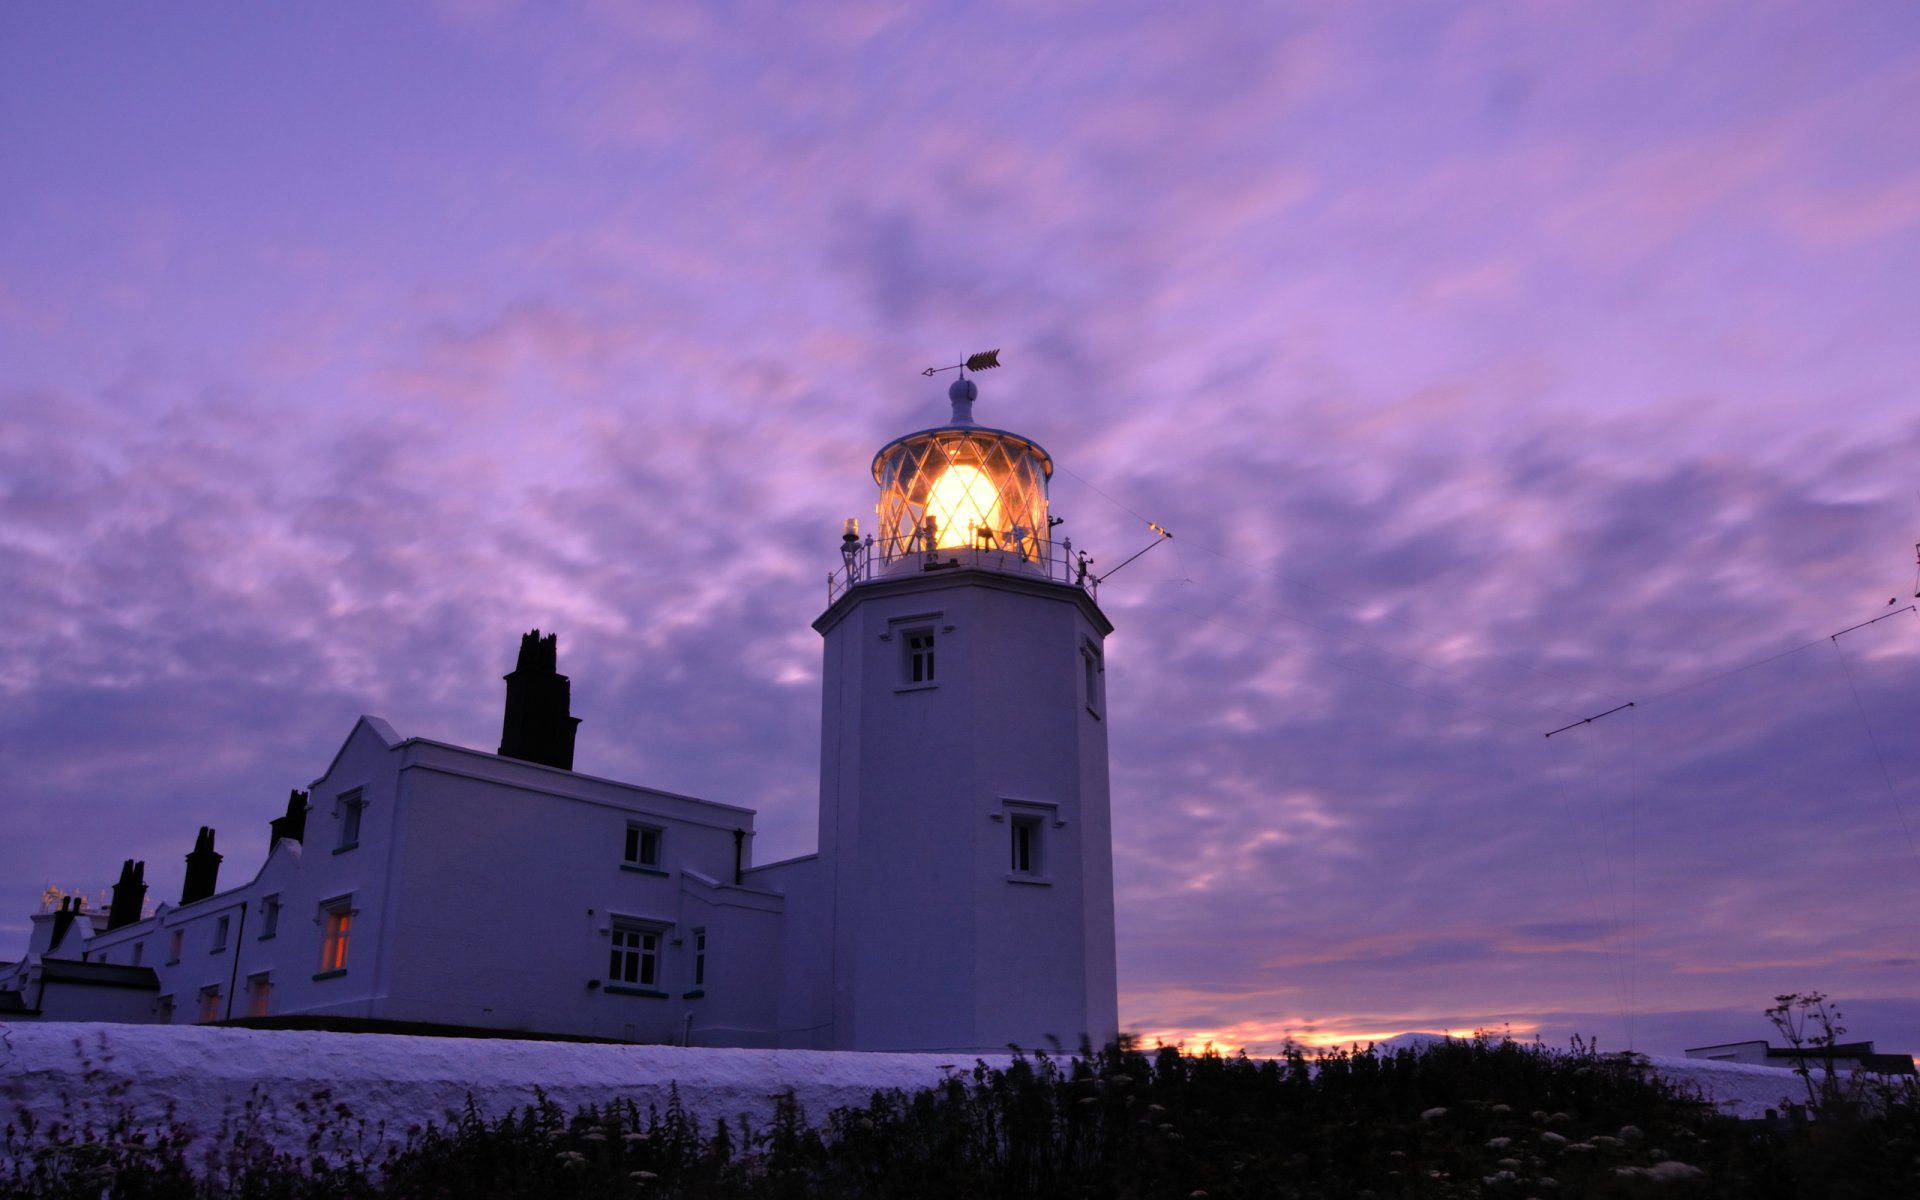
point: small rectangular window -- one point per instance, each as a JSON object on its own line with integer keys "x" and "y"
{"x": 209, "y": 1004}
{"x": 352, "y": 807}
{"x": 919, "y": 645}
{"x": 636, "y": 956}
{"x": 1094, "y": 674}
{"x": 1026, "y": 832}
{"x": 220, "y": 929}
{"x": 175, "y": 941}
{"x": 166, "y": 1010}
{"x": 643, "y": 845}
{"x": 699, "y": 958}
{"x": 269, "y": 916}
{"x": 259, "y": 987}
{"x": 139, "y": 951}
{"x": 336, "y": 929}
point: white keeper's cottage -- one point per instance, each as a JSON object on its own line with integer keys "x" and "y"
{"x": 961, "y": 898}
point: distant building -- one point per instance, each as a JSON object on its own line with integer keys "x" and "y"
{"x": 1847, "y": 1057}
{"x": 961, "y": 898}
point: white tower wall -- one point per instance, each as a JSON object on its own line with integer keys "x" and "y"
{"x": 942, "y": 940}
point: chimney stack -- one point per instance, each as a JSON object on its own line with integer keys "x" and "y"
{"x": 203, "y": 869}
{"x": 538, "y": 727}
{"x": 63, "y": 920}
{"x": 293, "y": 826}
{"x": 128, "y": 895}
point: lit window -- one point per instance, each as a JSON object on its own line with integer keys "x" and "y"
{"x": 920, "y": 656}
{"x": 636, "y": 956}
{"x": 352, "y": 806}
{"x": 175, "y": 940}
{"x": 336, "y": 924}
{"x": 220, "y": 928}
{"x": 259, "y": 987}
{"x": 699, "y": 958}
{"x": 209, "y": 1005}
{"x": 643, "y": 845}
{"x": 269, "y": 916}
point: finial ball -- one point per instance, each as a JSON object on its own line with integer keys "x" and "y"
{"x": 963, "y": 389}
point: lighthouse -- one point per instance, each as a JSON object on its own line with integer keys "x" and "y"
{"x": 965, "y": 840}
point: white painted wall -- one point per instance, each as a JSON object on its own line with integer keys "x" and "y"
{"x": 936, "y": 947}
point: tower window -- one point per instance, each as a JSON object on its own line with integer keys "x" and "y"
{"x": 1027, "y": 837}
{"x": 1093, "y": 672}
{"x": 920, "y": 656}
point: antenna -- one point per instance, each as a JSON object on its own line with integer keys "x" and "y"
{"x": 986, "y": 360}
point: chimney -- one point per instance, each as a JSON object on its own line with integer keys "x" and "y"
{"x": 128, "y": 894}
{"x": 538, "y": 727}
{"x": 203, "y": 869}
{"x": 293, "y": 826}
{"x": 63, "y": 920}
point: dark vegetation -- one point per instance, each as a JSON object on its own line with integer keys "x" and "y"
{"x": 1480, "y": 1117}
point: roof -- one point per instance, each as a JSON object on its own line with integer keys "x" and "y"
{"x": 93, "y": 974}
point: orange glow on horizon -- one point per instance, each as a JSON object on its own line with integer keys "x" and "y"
{"x": 1268, "y": 1038}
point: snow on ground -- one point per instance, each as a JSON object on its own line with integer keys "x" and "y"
{"x": 284, "y": 1081}
{"x": 208, "y": 1078}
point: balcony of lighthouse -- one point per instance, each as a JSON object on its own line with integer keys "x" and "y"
{"x": 960, "y": 497}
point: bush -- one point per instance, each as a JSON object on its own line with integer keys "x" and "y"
{"x": 1476, "y": 1117}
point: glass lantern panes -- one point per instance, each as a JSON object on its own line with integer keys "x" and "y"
{"x": 962, "y": 489}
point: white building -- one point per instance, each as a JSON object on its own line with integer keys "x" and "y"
{"x": 961, "y": 898}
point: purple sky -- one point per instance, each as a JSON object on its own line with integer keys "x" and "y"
{"x": 1492, "y": 367}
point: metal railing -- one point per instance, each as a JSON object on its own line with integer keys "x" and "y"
{"x": 903, "y": 558}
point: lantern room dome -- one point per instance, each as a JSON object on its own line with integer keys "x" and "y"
{"x": 963, "y": 487}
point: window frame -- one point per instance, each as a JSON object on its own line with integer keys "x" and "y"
{"x": 259, "y": 993}
{"x": 916, "y": 666}
{"x": 645, "y": 957}
{"x": 1029, "y": 825}
{"x": 269, "y": 916}
{"x": 209, "y": 1005}
{"x": 336, "y": 921}
{"x": 222, "y": 927}
{"x": 176, "y": 943}
{"x": 1093, "y": 671}
{"x": 350, "y": 811}
{"x": 634, "y": 852}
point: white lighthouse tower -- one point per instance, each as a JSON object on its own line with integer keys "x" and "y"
{"x": 964, "y": 814}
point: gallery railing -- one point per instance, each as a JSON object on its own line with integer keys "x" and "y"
{"x": 895, "y": 558}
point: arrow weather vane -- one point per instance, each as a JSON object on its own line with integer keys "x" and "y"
{"x": 986, "y": 360}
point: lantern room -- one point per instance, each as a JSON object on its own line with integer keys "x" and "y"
{"x": 963, "y": 488}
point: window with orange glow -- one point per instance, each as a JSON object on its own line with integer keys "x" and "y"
{"x": 209, "y": 1005}
{"x": 336, "y": 927}
{"x": 259, "y": 987}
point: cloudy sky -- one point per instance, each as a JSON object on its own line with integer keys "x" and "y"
{"x": 1493, "y": 366}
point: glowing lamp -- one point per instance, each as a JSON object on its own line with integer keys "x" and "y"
{"x": 962, "y": 487}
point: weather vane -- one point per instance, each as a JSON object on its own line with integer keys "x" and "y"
{"x": 986, "y": 360}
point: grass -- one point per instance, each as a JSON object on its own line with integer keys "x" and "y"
{"x": 1479, "y": 1117}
